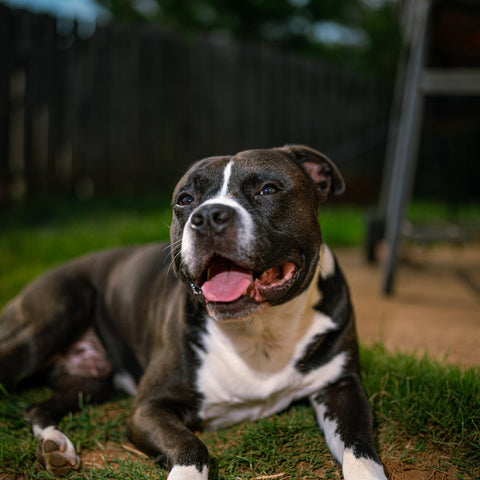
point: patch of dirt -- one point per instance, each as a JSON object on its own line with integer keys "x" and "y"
{"x": 110, "y": 453}
{"x": 435, "y": 306}
{"x": 428, "y": 467}
{"x": 400, "y": 470}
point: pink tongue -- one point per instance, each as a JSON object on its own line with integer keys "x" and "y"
{"x": 227, "y": 282}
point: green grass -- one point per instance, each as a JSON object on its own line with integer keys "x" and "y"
{"x": 427, "y": 415}
{"x": 34, "y": 237}
{"x": 343, "y": 225}
{"x": 432, "y": 212}
{"x": 434, "y": 404}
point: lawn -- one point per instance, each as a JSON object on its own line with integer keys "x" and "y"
{"x": 427, "y": 415}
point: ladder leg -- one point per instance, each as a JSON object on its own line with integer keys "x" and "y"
{"x": 405, "y": 153}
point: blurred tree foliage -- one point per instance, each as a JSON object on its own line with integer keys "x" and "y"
{"x": 369, "y": 34}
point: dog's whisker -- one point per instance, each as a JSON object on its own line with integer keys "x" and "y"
{"x": 167, "y": 247}
{"x": 172, "y": 261}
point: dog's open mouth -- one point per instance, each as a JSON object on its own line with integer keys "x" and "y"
{"x": 226, "y": 282}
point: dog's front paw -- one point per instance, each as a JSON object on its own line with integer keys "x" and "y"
{"x": 188, "y": 472}
{"x": 361, "y": 468}
{"x": 56, "y": 452}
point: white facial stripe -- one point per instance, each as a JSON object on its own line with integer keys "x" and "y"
{"x": 246, "y": 219}
{"x": 226, "y": 178}
{"x": 246, "y": 232}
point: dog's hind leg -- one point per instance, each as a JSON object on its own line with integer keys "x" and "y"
{"x": 48, "y": 315}
{"x": 83, "y": 370}
{"x": 55, "y": 450}
{"x": 40, "y": 332}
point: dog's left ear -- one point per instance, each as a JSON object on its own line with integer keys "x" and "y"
{"x": 319, "y": 168}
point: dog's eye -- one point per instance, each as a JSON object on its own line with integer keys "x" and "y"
{"x": 184, "y": 200}
{"x": 269, "y": 189}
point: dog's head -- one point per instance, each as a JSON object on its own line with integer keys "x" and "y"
{"x": 245, "y": 233}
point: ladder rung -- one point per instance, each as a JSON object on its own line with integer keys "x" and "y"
{"x": 435, "y": 81}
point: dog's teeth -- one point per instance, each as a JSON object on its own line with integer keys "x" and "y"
{"x": 196, "y": 289}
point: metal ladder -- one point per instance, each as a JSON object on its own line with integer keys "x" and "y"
{"x": 413, "y": 84}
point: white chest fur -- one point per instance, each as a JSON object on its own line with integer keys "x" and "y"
{"x": 248, "y": 368}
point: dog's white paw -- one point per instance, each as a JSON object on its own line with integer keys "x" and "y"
{"x": 181, "y": 472}
{"x": 361, "y": 468}
{"x": 55, "y": 451}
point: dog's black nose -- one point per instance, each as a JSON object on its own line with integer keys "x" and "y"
{"x": 213, "y": 218}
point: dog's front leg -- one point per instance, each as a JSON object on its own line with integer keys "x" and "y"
{"x": 344, "y": 415}
{"x": 157, "y": 429}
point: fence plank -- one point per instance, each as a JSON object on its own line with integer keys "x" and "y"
{"x": 5, "y": 72}
{"x": 129, "y": 108}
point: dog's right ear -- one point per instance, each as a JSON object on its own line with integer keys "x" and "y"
{"x": 319, "y": 168}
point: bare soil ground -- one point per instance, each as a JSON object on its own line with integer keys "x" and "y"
{"x": 435, "y": 307}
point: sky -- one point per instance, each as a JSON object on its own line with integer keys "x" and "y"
{"x": 81, "y": 10}
{"x": 89, "y": 13}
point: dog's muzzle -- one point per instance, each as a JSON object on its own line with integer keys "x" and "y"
{"x": 225, "y": 264}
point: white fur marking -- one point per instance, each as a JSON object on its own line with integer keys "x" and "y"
{"x": 234, "y": 391}
{"x": 181, "y": 472}
{"x": 246, "y": 230}
{"x": 353, "y": 468}
{"x": 124, "y": 382}
{"x": 38, "y": 431}
{"x": 361, "y": 468}
{"x": 50, "y": 433}
{"x": 328, "y": 262}
{"x": 245, "y": 236}
{"x": 65, "y": 446}
{"x": 329, "y": 428}
{"x": 226, "y": 178}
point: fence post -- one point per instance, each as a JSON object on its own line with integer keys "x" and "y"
{"x": 5, "y": 66}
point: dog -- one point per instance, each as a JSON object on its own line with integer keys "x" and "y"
{"x": 244, "y": 313}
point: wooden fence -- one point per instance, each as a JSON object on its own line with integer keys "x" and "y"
{"x": 128, "y": 108}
